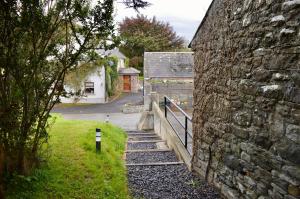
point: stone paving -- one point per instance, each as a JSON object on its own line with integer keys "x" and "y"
{"x": 155, "y": 172}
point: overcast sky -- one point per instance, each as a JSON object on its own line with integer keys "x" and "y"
{"x": 184, "y": 15}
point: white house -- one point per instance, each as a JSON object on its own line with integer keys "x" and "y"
{"x": 115, "y": 53}
{"x": 93, "y": 86}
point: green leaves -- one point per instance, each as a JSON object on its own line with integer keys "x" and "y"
{"x": 40, "y": 41}
{"x": 140, "y": 34}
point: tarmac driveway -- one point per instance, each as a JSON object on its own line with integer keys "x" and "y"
{"x": 111, "y": 107}
{"x": 100, "y": 112}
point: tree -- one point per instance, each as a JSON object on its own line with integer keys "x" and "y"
{"x": 140, "y": 34}
{"x": 40, "y": 41}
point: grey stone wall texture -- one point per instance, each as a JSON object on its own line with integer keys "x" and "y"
{"x": 246, "y": 118}
{"x": 180, "y": 91}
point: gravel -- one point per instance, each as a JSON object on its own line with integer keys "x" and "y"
{"x": 168, "y": 182}
{"x": 150, "y": 157}
{"x": 149, "y": 132}
{"x": 143, "y": 138}
{"x": 140, "y": 134}
{"x": 137, "y": 146}
{"x": 163, "y": 181}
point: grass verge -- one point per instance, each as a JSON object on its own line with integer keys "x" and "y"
{"x": 74, "y": 169}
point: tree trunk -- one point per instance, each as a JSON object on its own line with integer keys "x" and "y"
{"x": 20, "y": 161}
{"x": 1, "y": 172}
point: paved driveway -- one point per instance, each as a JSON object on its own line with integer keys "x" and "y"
{"x": 99, "y": 112}
{"x": 111, "y": 107}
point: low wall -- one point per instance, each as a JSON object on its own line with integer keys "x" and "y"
{"x": 164, "y": 129}
{"x": 132, "y": 109}
{"x": 180, "y": 90}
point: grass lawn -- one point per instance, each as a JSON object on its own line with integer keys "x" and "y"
{"x": 73, "y": 169}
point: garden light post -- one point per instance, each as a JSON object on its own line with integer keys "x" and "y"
{"x": 98, "y": 140}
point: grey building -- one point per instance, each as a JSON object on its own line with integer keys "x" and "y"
{"x": 170, "y": 74}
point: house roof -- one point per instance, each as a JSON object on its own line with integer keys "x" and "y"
{"x": 202, "y": 22}
{"x": 168, "y": 64}
{"x": 114, "y": 52}
{"x": 128, "y": 71}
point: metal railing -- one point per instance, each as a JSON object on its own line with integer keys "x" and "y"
{"x": 179, "y": 121}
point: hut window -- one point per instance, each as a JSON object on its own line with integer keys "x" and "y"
{"x": 89, "y": 88}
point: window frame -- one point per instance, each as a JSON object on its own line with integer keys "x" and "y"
{"x": 89, "y": 87}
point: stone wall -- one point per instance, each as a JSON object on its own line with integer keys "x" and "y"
{"x": 135, "y": 83}
{"x": 180, "y": 91}
{"x": 246, "y": 118}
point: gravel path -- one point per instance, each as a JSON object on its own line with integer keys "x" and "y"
{"x": 169, "y": 181}
{"x": 140, "y": 134}
{"x": 149, "y": 157}
{"x": 163, "y": 181}
{"x": 136, "y": 146}
{"x": 136, "y": 138}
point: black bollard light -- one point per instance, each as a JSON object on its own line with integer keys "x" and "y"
{"x": 98, "y": 140}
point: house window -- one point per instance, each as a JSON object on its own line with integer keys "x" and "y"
{"x": 89, "y": 88}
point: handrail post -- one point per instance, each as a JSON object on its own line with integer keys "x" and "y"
{"x": 186, "y": 132}
{"x": 165, "y": 102}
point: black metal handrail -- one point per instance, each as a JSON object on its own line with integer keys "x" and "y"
{"x": 167, "y": 103}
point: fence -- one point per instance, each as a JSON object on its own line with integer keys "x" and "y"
{"x": 180, "y": 121}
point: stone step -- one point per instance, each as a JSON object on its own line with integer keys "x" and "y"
{"x": 147, "y": 141}
{"x": 144, "y": 145}
{"x": 141, "y": 134}
{"x": 140, "y": 138}
{"x": 147, "y": 150}
{"x": 156, "y": 164}
{"x": 151, "y": 157}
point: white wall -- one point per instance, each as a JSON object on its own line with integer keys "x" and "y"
{"x": 121, "y": 63}
{"x": 98, "y": 78}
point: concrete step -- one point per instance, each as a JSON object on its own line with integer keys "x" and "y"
{"x": 151, "y": 157}
{"x": 141, "y": 138}
{"x": 143, "y": 145}
{"x": 156, "y": 164}
{"x": 141, "y": 134}
{"x": 138, "y": 132}
{"x": 147, "y": 141}
{"x": 147, "y": 150}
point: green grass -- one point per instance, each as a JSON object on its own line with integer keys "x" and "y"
{"x": 74, "y": 169}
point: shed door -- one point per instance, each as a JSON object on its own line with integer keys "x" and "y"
{"x": 127, "y": 82}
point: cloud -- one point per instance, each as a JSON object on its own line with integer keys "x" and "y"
{"x": 184, "y": 27}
